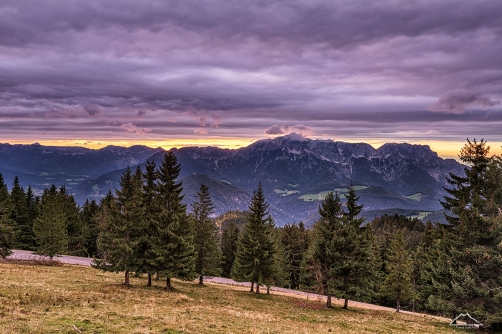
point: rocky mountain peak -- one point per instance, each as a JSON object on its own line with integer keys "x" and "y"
{"x": 420, "y": 153}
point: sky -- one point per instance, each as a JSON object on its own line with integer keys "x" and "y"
{"x": 229, "y": 72}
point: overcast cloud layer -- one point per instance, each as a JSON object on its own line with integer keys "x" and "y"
{"x": 158, "y": 70}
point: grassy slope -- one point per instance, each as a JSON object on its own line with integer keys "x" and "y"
{"x": 39, "y": 299}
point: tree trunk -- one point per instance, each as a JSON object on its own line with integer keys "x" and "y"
{"x": 168, "y": 284}
{"x": 328, "y": 301}
{"x": 268, "y": 290}
{"x": 257, "y": 288}
{"x": 398, "y": 306}
{"x": 149, "y": 282}
{"x": 252, "y": 285}
{"x": 346, "y": 304}
{"x": 157, "y": 276}
{"x": 126, "y": 278}
{"x": 201, "y": 280}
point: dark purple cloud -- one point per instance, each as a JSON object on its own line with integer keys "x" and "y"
{"x": 458, "y": 101}
{"x": 166, "y": 69}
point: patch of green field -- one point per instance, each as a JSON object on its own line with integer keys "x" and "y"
{"x": 416, "y": 197}
{"x": 58, "y": 299}
{"x": 285, "y": 192}
{"x": 314, "y": 197}
{"x": 421, "y": 215}
{"x": 322, "y": 195}
{"x": 290, "y": 192}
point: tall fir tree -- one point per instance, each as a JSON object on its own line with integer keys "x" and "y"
{"x": 255, "y": 257}
{"x": 6, "y": 231}
{"x": 77, "y": 231}
{"x": 340, "y": 257}
{"x": 151, "y": 210}
{"x": 89, "y": 218}
{"x": 279, "y": 276}
{"x": 295, "y": 240}
{"x": 20, "y": 217}
{"x": 351, "y": 215}
{"x": 467, "y": 271}
{"x": 229, "y": 238}
{"x": 172, "y": 251}
{"x": 397, "y": 285}
{"x": 120, "y": 229}
{"x": 422, "y": 259}
{"x": 208, "y": 254}
{"x": 50, "y": 225}
{"x": 357, "y": 268}
{"x": 319, "y": 262}
{"x": 32, "y": 202}
{"x": 103, "y": 217}
{"x": 468, "y": 193}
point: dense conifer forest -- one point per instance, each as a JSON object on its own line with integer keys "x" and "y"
{"x": 143, "y": 228}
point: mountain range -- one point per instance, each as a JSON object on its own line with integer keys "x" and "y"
{"x": 295, "y": 172}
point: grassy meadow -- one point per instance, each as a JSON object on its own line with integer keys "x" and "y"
{"x": 69, "y": 299}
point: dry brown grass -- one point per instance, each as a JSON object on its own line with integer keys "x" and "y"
{"x": 41, "y": 299}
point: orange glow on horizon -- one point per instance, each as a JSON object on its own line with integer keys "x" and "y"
{"x": 231, "y": 143}
{"x": 445, "y": 149}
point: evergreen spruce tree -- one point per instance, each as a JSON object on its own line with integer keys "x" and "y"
{"x": 172, "y": 251}
{"x": 295, "y": 240}
{"x": 397, "y": 285}
{"x": 279, "y": 276}
{"x": 357, "y": 267}
{"x": 151, "y": 210}
{"x": 208, "y": 258}
{"x": 89, "y": 218}
{"x": 470, "y": 193}
{"x": 104, "y": 217}
{"x": 255, "y": 260}
{"x": 467, "y": 271}
{"x": 423, "y": 258}
{"x": 20, "y": 217}
{"x": 50, "y": 225}
{"x": 229, "y": 239}
{"x": 77, "y": 231}
{"x": 351, "y": 215}
{"x": 6, "y": 232}
{"x": 32, "y": 202}
{"x": 340, "y": 256}
{"x": 320, "y": 259}
{"x": 120, "y": 229}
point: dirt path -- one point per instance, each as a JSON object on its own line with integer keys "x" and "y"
{"x": 85, "y": 261}
{"x": 318, "y": 298}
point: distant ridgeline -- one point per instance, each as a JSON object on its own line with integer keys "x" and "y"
{"x": 296, "y": 174}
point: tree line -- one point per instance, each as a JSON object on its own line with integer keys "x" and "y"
{"x": 144, "y": 228}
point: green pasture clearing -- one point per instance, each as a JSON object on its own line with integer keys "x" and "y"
{"x": 416, "y": 197}
{"x": 320, "y": 196}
